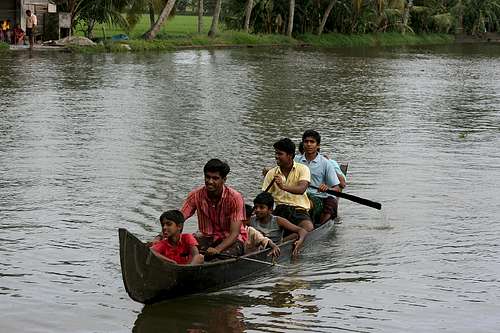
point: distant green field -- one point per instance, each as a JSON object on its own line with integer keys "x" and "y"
{"x": 177, "y": 25}
{"x": 181, "y": 32}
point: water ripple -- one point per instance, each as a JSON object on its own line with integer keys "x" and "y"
{"x": 99, "y": 142}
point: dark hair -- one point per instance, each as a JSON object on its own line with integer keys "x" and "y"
{"x": 216, "y": 165}
{"x": 172, "y": 215}
{"x": 285, "y": 145}
{"x": 28, "y": 11}
{"x": 312, "y": 134}
{"x": 248, "y": 210}
{"x": 301, "y": 147}
{"x": 264, "y": 198}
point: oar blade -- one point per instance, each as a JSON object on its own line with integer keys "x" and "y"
{"x": 362, "y": 201}
{"x": 354, "y": 198}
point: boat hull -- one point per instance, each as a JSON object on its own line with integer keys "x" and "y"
{"x": 149, "y": 279}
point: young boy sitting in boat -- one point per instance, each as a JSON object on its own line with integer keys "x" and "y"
{"x": 175, "y": 246}
{"x": 272, "y": 226}
{"x": 256, "y": 241}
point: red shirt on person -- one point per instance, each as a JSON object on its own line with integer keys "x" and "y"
{"x": 215, "y": 221}
{"x": 180, "y": 252}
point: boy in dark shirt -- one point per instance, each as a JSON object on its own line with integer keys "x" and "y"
{"x": 272, "y": 226}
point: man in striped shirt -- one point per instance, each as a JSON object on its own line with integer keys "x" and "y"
{"x": 220, "y": 211}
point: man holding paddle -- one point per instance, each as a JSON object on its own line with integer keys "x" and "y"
{"x": 323, "y": 177}
{"x": 288, "y": 183}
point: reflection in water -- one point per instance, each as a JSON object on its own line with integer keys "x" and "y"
{"x": 193, "y": 315}
{"x": 223, "y": 312}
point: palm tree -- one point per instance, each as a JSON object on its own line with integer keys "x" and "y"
{"x": 165, "y": 13}
{"x": 101, "y": 11}
{"x": 94, "y": 11}
{"x": 406, "y": 15}
{"x": 325, "y": 16}
{"x": 291, "y": 12}
{"x": 215, "y": 19}
{"x": 136, "y": 8}
{"x": 200, "y": 16}
{"x": 481, "y": 15}
{"x": 248, "y": 12}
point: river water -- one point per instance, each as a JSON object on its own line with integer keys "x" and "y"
{"x": 91, "y": 143}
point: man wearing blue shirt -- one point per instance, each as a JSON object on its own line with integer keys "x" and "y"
{"x": 323, "y": 175}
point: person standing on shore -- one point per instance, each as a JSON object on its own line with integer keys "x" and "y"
{"x": 31, "y": 23}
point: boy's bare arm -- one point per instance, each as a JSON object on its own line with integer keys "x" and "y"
{"x": 194, "y": 251}
{"x": 293, "y": 228}
{"x": 161, "y": 256}
{"x": 275, "y": 252}
{"x": 342, "y": 180}
{"x": 194, "y": 255}
{"x": 228, "y": 241}
{"x": 285, "y": 224}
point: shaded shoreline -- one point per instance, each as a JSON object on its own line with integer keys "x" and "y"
{"x": 242, "y": 40}
{"x": 488, "y": 37}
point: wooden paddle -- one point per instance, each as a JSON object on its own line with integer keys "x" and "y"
{"x": 230, "y": 256}
{"x": 354, "y": 198}
{"x": 269, "y": 186}
{"x": 248, "y": 259}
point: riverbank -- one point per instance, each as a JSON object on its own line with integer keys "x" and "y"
{"x": 172, "y": 42}
{"x": 234, "y": 39}
{"x": 371, "y": 40}
{"x": 241, "y": 39}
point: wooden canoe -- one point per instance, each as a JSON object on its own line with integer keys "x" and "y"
{"x": 149, "y": 279}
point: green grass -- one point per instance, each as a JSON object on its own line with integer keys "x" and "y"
{"x": 3, "y": 46}
{"x": 172, "y": 42}
{"x": 382, "y": 39}
{"x": 181, "y": 31}
{"x": 177, "y": 25}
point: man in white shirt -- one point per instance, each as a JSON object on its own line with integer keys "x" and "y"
{"x": 31, "y": 23}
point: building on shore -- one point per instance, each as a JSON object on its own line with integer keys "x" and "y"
{"x": 51, "y": 23}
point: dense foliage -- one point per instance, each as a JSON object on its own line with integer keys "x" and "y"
{"x": 340, "y": 16}
{"x": 88, "y": 13}
{"x": 366, "y": 16}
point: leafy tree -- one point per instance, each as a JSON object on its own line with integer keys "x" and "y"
{"x": 91, "y": 12}
{"x": 481, "y": 15}
{"x": 102, "y": 11}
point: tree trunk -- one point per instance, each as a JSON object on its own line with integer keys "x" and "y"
{"x": 291, "y": 12}
{"x": 460, "y": 26}
{"x": 151, "y": 34}
{"x": 151, "y": 15}
{"x": 248, "y": 12}
{"x": 200, "y": 16}
{"x": 406, "y": 15}
{"x": 72, "y": 10}
{"x": 215, "y": 19}
{"x": 90, "y": 29}
{"x": 325, "y": 16}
